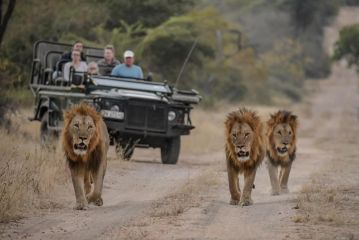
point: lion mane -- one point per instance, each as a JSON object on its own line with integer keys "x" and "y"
{"x": 245, "y": 161}
{"x": 89, "y": 165}
{"x": 250, "y": 117}
{"x": 85, "y": 110}
{"x": 281, "y": 134}
{"x": 281, "y": 117}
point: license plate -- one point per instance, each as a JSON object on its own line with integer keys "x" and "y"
{"x": 112, "y": 114}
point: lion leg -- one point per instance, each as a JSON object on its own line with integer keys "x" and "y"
{"x": 233, "y": 182}
{"x": 284, "y": 176}
{"x": 98, "y": 176}
{"x": 273, "y": 175}
{"x": 78, "y": 175}
{"x": 249, "y": 177}
{"x": 87, "y": 180}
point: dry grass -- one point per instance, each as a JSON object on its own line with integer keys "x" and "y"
{"x": 28, "y": 174}
{"x": 318, "y": 203}
{"x": 164, "y": 211}
{"x": 186, "y": 197}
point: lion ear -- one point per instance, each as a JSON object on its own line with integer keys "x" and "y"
{"x": 293, "y": 118}
{"x": 293, "y": 121}
{"x": 66, "y": 114}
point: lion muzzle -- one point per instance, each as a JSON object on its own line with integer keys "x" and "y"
{"x": 282, "y": 151}
{"x": 80, "y": 148}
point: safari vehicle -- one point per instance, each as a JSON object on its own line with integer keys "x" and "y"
{"x": 137, "y": 112}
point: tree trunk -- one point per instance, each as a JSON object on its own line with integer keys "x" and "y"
{"x": 4, "y": 20}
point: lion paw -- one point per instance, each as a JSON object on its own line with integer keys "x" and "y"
{"x": 97, "y": 200}
{"x": 246, "y": 202}
{"x": 284, "y": 190}
{"x": 81, "y": 206}
{"x": 274, "y": 192}
{"x": 234, "y": 202}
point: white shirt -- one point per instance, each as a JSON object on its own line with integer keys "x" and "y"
{"x": 82, "y": 67}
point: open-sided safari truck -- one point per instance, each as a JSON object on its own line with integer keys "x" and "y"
{"x": 137, "y": 112}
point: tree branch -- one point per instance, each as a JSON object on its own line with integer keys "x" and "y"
{"x": 4, "y": 21}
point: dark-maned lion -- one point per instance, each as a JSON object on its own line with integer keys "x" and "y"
{"x": 281, "y": 148}
{"x": 85, "y": 142}
{"x": 244, "y": 152}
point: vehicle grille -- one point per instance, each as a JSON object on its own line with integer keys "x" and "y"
{"x": 149, "y": 117}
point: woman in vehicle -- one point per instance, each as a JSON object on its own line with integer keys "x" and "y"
{"x": 76, "y": 64}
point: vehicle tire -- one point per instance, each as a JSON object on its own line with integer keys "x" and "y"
{"x": 125, "y": 151}
{"x": 47, "y": 136}
{"x": 170, "y": 150}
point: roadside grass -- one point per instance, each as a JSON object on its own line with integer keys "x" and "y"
{"x": 330, "y": 198}
{"x": 21, "y": 96}
{"x": 29, "y": 174}
{"x": 318, "y": 203}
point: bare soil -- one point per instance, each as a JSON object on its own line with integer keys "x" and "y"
{"x": 144, "y": 199}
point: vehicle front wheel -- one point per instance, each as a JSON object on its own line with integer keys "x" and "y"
{"x": 125, "y": 151}
{"x": 170, "y": 150}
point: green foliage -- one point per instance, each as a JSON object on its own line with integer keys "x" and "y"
{"x": 149, "y": 13}
{"x": 285, "y": 69}
{"x": 176, "y": 37}
{"x": 348, "y": 45}
{"x": 254, "y": 50}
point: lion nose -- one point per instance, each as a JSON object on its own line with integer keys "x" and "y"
{"x": 83, "y": 138}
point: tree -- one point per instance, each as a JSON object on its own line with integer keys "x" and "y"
{"x": 348, "y": 45}
{"x": 4, "y": 20}
{"x": 149, "y": 13}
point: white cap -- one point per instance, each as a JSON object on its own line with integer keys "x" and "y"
{"x": 128, "y": 53}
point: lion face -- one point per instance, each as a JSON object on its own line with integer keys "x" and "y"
{"x": 283, "y": 138}
{"x": 82, "y": 129}
{"x": 242, "y": 138}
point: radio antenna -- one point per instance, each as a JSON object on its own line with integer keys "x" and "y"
{"x": 185, "y": 61}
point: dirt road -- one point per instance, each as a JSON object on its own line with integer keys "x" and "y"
{"x": 144, "y": 199}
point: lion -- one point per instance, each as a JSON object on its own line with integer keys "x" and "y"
{"x": 85, "y": 142}
{"x": 245, "y": 151}
{"x": 281, "y": 149}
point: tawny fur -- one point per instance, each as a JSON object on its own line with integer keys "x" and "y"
{"x": 275, "y": 162}
{"x": 90, "y": 167}
{"x": 249, "y": 167}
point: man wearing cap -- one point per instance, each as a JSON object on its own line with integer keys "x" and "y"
{"x": 128, "y": 69}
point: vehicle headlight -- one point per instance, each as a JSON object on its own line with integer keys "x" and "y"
{"x": 115, "y": 108}
{"x": 171, "y": 115}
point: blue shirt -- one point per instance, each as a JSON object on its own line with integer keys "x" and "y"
{"x": 123, "y": 70}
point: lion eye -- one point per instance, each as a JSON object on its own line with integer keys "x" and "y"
{"x": 76, "y": 125}
{"x": 279, "y": 132}
{"x": 246, "y": 135}
{"x": 290, "y": 133}
{"x": 90, "y": 127}
{"x": 234, "y": 135}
